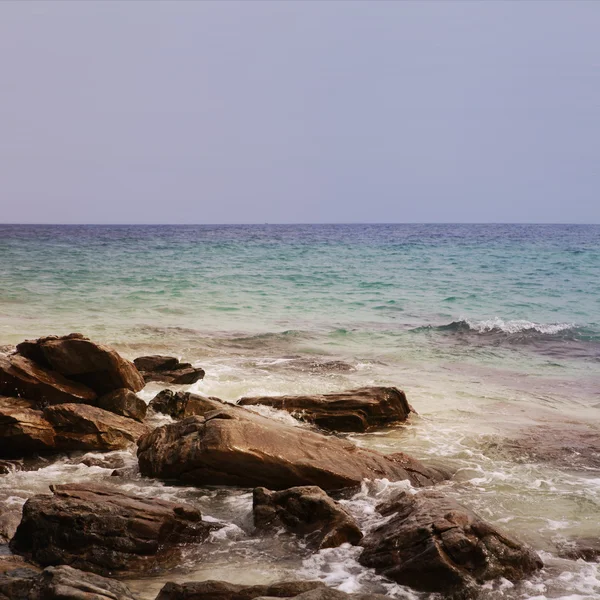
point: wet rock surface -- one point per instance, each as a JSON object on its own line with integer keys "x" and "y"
{"x": 124, "y": 402}
{"x": 233, "y": 446}
{"x": 433, "y": 544}
{"x": 355, "y": 410}
{"x": 306, "y": 511}
{"x": 106, "y": 531}
{"x": 168, "y": 370}
{"x": 180, "y": 405}
{"x": 97, "y": 366}
{"x": 587, "y": 549}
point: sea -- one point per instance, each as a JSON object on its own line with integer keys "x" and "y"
{"x": 493, "y": 332}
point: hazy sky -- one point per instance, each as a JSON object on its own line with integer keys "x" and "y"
{"x": 281, "y": 111}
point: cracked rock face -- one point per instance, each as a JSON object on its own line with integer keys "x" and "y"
{"x": 433, "y": 544}
{"x": 105, "y": 531}
{"x": 306, "y": 511}
{"x": 233, "y": 446}
{"x": 355, "y": 410}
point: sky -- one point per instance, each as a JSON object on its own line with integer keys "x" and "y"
{"x": 299, "y": 112}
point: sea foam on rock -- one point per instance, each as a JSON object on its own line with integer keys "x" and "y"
{"x": 431, "y": 543}
{"x": 106, "y": 531}
{"x": 234, "y": 446}
{"x": 354, "y": 410}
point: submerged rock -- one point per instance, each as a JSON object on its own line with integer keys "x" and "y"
{"x": 168, "y": 370}
{"x": 587, "y": 549}
{"x": 433, "y": 544}
{"x": 83, "y": 427}
{"x": 354, "y": 410}
{"x": 100, "y": 529}
{"x": 307, "y": 511}
{"x": 99, "y": 367}
{"x": 124, "y": 402}
{"x": 233, "y": 446}
{"x": 21, "y": 581}
{"x": 23, "y": 378}
{"x": 180, "y": 405}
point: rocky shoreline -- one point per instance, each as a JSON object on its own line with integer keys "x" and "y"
{"x": 68, "y": 394}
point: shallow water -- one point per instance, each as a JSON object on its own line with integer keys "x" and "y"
{"x": 493, "y": 332}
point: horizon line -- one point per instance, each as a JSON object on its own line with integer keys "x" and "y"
{"x": 156, "y": 224}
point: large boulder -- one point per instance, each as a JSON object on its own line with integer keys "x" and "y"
{"x": 21, "y": 581}
{"x": 233, "y": 446}
{"x": 124, "y": 402}
{"x": 306, "y": 511}
{"x": 180, "y": 405}
{"x": 24, "y": 429}
{"x": 354, "y": 410}
{"x": 78, "y": 358}
{"x": 100, "y": 529}
{"x": 168, "y": 370}
{"x": 433, "y": 544}
{"x": 83, "y": 427}
{"x": 22, "y": 378}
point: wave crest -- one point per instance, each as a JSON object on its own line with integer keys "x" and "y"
{"x": 517, "y": 326}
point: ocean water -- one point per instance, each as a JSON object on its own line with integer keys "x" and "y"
{"x": 493, "y": 331}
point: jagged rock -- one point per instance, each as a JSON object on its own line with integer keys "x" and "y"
{"x": 306, "y": 511}
{"x": 83, "y": 427}
{"x": 433, "y": 544}
{"x": 233, "y": 446}
{"x": 99, "y": 367}
{"x": 21, "y": 581}
{"x": 100, "y": 529}
{"x": 222, "y": 590}
{"x": 124, "y": 402}
{"x": 354, "y": 410}
{"x": 168, "y": 370}
{"x": 22, "y": 378}
{"x": 24, "y": 430}
{"x": 180, "y": 405}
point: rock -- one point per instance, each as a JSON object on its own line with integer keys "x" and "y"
{"x": 222, "y": 590}
{"x": 25, "y": 582}
{"x": 307, "y": 511}
{"x": 77, "y": 357}
{"x": 168, "y": 370}
{"x": 433, "y": 544}
{"x": 233, "y": 446}
{"x": 105, "y": 531}
{"x": 106, "y": 461}
{"x": 22, "y": 378}
{"x": 587, "y": 549}
{"x": 354, "y": 410}
{"x": 124, "y": 402}
{"x": 83, "y": 427}
{"x": 180, "y": 405}
{"x": 24, "y": 429}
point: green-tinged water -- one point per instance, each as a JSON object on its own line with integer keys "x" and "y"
{"x": 492, "y": 330}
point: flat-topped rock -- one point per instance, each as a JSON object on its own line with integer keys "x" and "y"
{"x": 306, "y": 511}
{"x": 233, "y": 446}
{"x": 354, "y": 410}
{"x": 83, "y": 427}
{"x": 106, "y": 531}
{"x": 22, "y": 378}
{"x": 433, "y": 544}
{"x": 180, "y": 405}
{"x": 124, "y": 402}
{"x": 167, "y": 369}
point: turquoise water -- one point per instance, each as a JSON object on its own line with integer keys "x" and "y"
{"x": 492, "y": 330}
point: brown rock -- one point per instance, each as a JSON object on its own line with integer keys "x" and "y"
{"x": 168, "y": 370}
{"x": 24, "y": 429}
{"x": 354, "y": 410}
{"x": 587, "y": 549}
{"x": 103, "y": 530}
{"x": 83, "y": 427}
{"x": 234, "y": 446}
{"x": 433, "y": 544}
{"x": 124, "y": 402}
{"x": 77, "y": 357}
{"x": 180, "y": 405}
{"x": 22, "y": 378}
{"x": 307, "y": 511}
